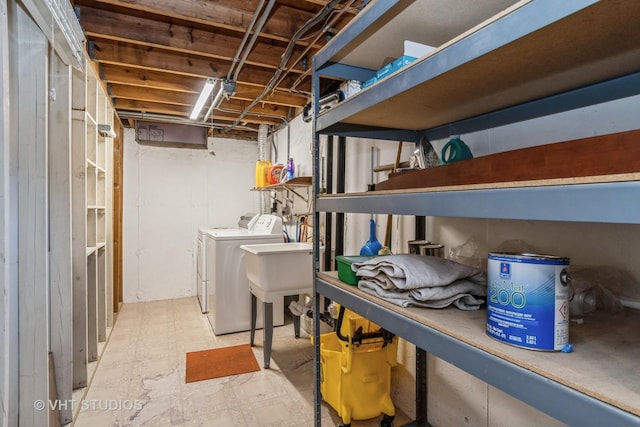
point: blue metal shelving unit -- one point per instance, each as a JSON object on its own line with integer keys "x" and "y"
{"x": 607, "y": 202}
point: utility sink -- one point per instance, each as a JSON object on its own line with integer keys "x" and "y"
{"x": 277, "y": 269}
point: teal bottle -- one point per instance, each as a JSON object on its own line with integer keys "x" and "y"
{"x": 455, "y": 150}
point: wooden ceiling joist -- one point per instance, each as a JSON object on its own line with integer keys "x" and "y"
{"x": 180, "y": 38}
{"x": 266, "y": 110}
{"x": 244, "y": 93}
{"x": 143, "y": 94}
{"x": 184, "y": 112}
{"x": 157, "y": 59}
{"x": 154, "y": 55}
{"x": 230, "y": 15}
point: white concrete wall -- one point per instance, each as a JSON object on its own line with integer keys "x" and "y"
{"x": 456, "y": 398}
{"x": 298, "y": 139}
{"x": 358, "y": 171}
{"x": 168, "y": 194}
{"x": 295, "y": 142}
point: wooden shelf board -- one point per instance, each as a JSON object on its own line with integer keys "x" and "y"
{"x": 593, "y": 159}
{"x": 90, "y": 250}
{"x": 498, "y": 185}
{"x": 596, "y": 44}
{"x": 604, "y": 363}
{"x": 419, "y": 22}
{"x": 298, "y": 181}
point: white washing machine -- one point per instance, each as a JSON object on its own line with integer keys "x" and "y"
{"x": 201, "y": 259}
{"x": 228, "y": 296}
{"x": 201, "y": 263}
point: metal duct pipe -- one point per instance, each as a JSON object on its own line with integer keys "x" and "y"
{"x": 263, "y": 154}
{"x": 263, "y": 146}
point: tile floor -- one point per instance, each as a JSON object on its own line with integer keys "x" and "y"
{"x": 140, "y": 378}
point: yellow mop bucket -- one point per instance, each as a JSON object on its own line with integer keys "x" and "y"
{"x": 355, "y": 375}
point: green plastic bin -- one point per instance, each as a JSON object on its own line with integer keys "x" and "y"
{"x": 345, "y": 273}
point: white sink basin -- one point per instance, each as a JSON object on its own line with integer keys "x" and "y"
{"x": 279, "y": 267}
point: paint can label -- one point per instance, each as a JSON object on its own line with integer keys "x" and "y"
{"x": 528, "y": 300}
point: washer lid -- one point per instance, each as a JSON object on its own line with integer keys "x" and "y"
{"x": 225, "y": 233}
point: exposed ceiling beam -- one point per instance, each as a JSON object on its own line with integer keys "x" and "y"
{"x": 151, "y": 79}
{"x": 157, "y": 59}
{"x": 143, "y": 94}
{"x": 184, "y": 87}
{"x": 179, "y": 38}
{"x": 230, "y": 15}
{"x": 244, "y": 93}
{"x": 265, "y": 110}
{"x": 182, "y": 111}
{"x": 154, "y": 55}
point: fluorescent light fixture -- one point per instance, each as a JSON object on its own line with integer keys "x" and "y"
{"x": 216, "y": 102}
{"x": 204, "y": 95}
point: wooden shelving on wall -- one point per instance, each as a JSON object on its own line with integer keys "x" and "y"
{"x": 298, "y": 181}
{"x": 92, "y": 160}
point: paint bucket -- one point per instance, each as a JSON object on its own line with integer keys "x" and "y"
{"x": 528, "y": 300}
{"x": 425, "y": 247}
{"x": 414, "y": 246}
{"x": 432, "y": 249}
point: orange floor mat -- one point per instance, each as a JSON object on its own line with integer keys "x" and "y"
{"x": 220, "y": 362}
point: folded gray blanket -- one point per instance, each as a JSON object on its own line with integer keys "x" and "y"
{"x": 423, "y": 281}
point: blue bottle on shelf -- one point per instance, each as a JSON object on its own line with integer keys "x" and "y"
{"x": 291, "y": 168}
{"x": 372, "y": 246}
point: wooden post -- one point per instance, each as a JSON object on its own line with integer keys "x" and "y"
{"x": 118, "y": 154}
{"x": 387, "y": 234}
{"x": 33, "y": 226}
{"x": 79, "y": 230}
{"x": 109, "y": 216}
{"x": 9, "y": 242}
{"x": 100, "y": 215}
{"x": 60, "y": 261}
